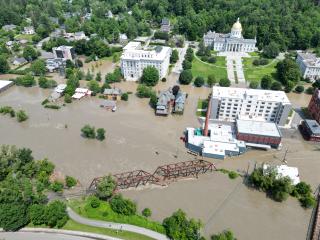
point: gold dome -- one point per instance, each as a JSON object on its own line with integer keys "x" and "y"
{"x": 237, "y": 26}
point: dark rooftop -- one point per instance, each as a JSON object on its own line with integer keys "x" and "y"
{"x": 313, "y": 125}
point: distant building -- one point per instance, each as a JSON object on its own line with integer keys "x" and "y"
{"x": 19, "y": 61}
{"x": 134, "y": 59}
{"x": 231, "y": 42}
{"x": 229, "y": 104}
{"x": 314, "y": 106}
{"x": 54, "y": 20}
{"x": 309, "y": 65}
{"x": 53, "y": 64}
{"x": 123, "y": 39}
{"x": 80, "y": 36}
{"x": 9, "y": 27}
{"x": 109, "y": 14}
{"x": 164, "y": 103}
{"x": 256, "y": 133}
{"x": 165, "y": 25}
{"x": 57, "y": 92}
{"x": 9, "y": 44}
{"x": 310, "y": 129}
{"x": 28, "y": 30}
{"x": 81, "y": 92}
{"x": 64, "y": 52}
{"x": 112, "y": 93}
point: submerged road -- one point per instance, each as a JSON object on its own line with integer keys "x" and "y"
{"x": 117, "y": 226}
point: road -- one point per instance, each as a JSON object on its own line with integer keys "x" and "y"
{"x": 38, "y": 236}
{"x": 182, "y": 52}
{"x": 117, "y": 226}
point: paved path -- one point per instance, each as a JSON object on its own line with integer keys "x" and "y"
{"x": 117, "y": 226}
{"x": 182, "y": 52}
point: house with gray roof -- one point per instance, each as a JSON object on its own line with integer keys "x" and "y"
{"x": 112, "y": 93}
{"x": 179, "y": 102}
{"x": 309, "y": 65}
{"x": 19, "y": 61}
{"x": 165, "y": 25}
{"x": 9, "y": 27}
{"x": 165, "y": 100}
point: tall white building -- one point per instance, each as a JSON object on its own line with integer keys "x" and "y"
{"x": 229, "y": 104}
{"x": 230, "y": 42}
{"x": 134, "y": 59}
{"x": 309, "y": 65}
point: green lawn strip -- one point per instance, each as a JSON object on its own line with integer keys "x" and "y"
{"x": 202, "y": 104}
{"x": 24, "y": 36}
{"x": 72, "y": 225}
{"x": 204, "y": 70}
{"x": 105, "y": 213}
{"x": 256, "y": 73}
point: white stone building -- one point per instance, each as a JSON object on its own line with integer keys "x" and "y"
{"x": 229, "y": 104}
{"x": 64, "y": 52}
{"x": 309, "y": 65}
{"x": 134, "y": 59}
{"x": 231, "y": 42}
{"x": 28, "y": 30}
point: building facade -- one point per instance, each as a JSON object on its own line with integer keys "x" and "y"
{"x": 310, "y": 130}
{"x": 309, "y": 65}
{"x": 229, "y": 104}
{"x": 134, "y": 59}
{"x": 314, "y": 106}
{"x": 28, "y": 30}
{"x": 231, "y": 42}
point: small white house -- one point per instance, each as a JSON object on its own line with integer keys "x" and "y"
{"x": 28, "y": 30}
{"x": 81, "y": 92}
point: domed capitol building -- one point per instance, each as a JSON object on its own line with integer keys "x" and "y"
{"x": 231, "y": 42}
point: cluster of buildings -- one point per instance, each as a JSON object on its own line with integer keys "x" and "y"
{"x": 230, "y": 42}
{"x": 170, "y": 101}
{"x": 309, "y": 65}
{"x": 240, "y": 119}
{"x": 135, "y": 58}
{"x": 60, "y": 55}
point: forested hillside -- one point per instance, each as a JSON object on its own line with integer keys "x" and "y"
{"x": 292, "y": 24}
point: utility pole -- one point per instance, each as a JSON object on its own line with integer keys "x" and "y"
{"x": 285, "y": 156}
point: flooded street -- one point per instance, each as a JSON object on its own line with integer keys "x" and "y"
{"x": 134, "y": 135}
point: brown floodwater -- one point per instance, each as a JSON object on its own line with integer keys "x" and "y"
{"x": 134, "y": 135}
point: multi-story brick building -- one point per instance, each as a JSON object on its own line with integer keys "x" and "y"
{"x": 314, "y": 106}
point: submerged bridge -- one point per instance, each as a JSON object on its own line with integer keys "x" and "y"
{"x": 162, "y": 175}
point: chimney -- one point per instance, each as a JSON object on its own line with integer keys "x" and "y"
{"x": 206, "y": 124}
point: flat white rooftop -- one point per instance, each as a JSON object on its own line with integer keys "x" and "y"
{"x": 268, "y": 129}
{"x": 247, "y": 94}
{"x": 285, "y": 171}
{"x": 4, "y": 83}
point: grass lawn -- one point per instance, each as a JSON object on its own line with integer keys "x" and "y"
{"x": 204, "y": 70}
{"x": 105, "y": 213}
{"x": 254, "y": 54}
{"x": 202, "y": 104}
{"x": 24, "y": 36}
{"x": 256, "y": 73}
{"x": 72, "y": 225}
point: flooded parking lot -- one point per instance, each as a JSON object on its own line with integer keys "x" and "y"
{"x": 134, "y": 135}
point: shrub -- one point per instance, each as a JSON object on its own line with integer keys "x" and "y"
{"x": 70, "y": 181}
{"x": 7, "y": 110}
{"x": 44, "y": 102}
{"x": 105, "y": 188}
{"x": 276, "y": 86}
{"x": 21, "y": 116}
{"x": 163, "y": 80}
{"x": 67, "y": 98}
{"x": 101, "y": 134}
{"x": 211, "y": 80}
{"x": 199, "y": 81}
{"x": 56, "y": 214}
{"x": 254, "y": 84}
{"x": 146, "y": 212}
{"x": 310, "y": 90}
{"x": 186, "y": 65}
{"x": 124, "y": 97}
{"x": 26, "y": 81}
{"x": 299, "y": 89}
{"x": 37, "y": 214}
{"x": 233, "y": 175}
{"x": 94, "y": 202}
{"x": 224, "y": 82}
{"x": 52, "y": 106}
{"x": 212, "y": 60}
{"x": 153, "y": 100}
{"x": 150, "y": 76}
{"x": 56, "y": 186}
{"x": 144, "y": 91}
{"x": 204, "y": 58}
{"x": 307, "y": 201}
{"x": 123, "y": 206}
{"x": 88, "y": 131}
{"x": 266, "y": 82}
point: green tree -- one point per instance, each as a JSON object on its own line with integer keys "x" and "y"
{"x": 93, "y": 85}
{"x": 56, "y": 214}
{"x": 211, "y": 80}
{"x": 276, "y": 86}
{"x": 199, "y": 81}
{"x": 98, "y": 77}
{"x": 30, "y": 53}
{"x": 125, "y": 97}
{"x": 254, "y": 84}
{"x": 186, "y": 65}
{"x": 94, "y": 202}
{"x": 56, "y": 186}
{"x": 150, "y": 76}
{"x": 88, "y": 76}
{"x": 271, "y": 50}
{"x": 70, "y": 181}
{"x": 144, "y": 91}
{"x": 101, "y": 134}
{"x": 123, "y": 206}
{"x": 37, "y": 214}
{"x": 288, "y": 71}
{"x": 185, "y": 77}
{"x": 225, "y": 235}
{"x": 177, "y": 226}
{"x": 4, "y": 65}
{"x": 67, "y": 98}
{"x": 88, "y": 131}
{"x": 22, "y": 116}
{"x": 146, "y": 212}
{"x": 290, "y": 85}
{"x": 105, "y": 188}
{"x": 174, "y": 56}
{"x": 13, "y": 216}
{"x": 224, "y": 82}
{"x": 266, "y": 82}
{"x": 26, "y": 81}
